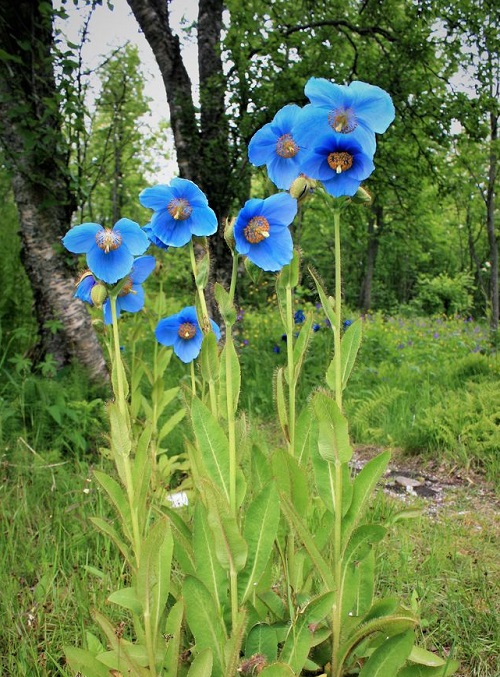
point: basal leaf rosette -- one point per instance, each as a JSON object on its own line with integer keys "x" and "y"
{"x": 275, "y": 146}
{"x": 110, "y": 251}
{"x": 261, "y": 231}
{"x": 180, "y": 211}
{"x": 183, "y": 333}
{"x": 340, "y": 163}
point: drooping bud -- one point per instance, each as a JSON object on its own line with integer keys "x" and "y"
{"x": 362, "y": 197}
{"x": 302, "y": 187}
{"x": 99, "y": 294}
{"x": 229, "y": 233}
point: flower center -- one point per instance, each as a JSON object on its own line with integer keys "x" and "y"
{"x": 286, "y": 146}
{"x": 179, "y": 209}
{"x": 342, "y": 120}
{"x": 186, "y": 331}
{"x": 127, "y": 288}
{"x": 108, "y": 240}
{"x": 340, "y": 162}
{"x": 256, "y": 230}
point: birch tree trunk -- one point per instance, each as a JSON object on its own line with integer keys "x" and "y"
{"x": 34, "y": 149}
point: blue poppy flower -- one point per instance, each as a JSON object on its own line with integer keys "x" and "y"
{"x": 339, "y": 162}
{"x": 183, "y": 332}
{"x": 261, "y": 231}
{"x": 152, "y": 237}
{"x": 84, "y": 287}
{"x": 110, "y": 251}
{"x": 276, "y": 147}
{"x": 181, "y": 211}
{"x": 131, "y": 295}
{"x": 346, "y": 324}
{"x": 358, "y": 109}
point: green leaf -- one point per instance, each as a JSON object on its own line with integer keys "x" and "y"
{"x": 127, "y": 598}
{"x": 226, "y": 306}
{"x": 333, "y": 433}
{"x": 303, "y": 436}
{"x": 209, "y": 358}
{"x": 291, "y": 479}
{"x": 259, "y": 531}
{"x": 230, "y": 546}
{"x": 388, "y": 658}
{"x": 170, "y": 424}
{"x": 173, "y": 630}
{"x": 349, "y": 347}
{"x": 301, "y": 346}
{"x": 363, "y": 487}
{"x": 121, "y": 443}
{"x": 423, "y": 657}
{"x": 83, "y": 662}
{"x": 118, "y": 498}
{"x": 281, "y": 405}
{"x": 207, "y": 566}
{"x": 154, "y": 572}
{"x": 362, "y": 542}
{"x": 213, "y": 446}
{"x": 359, "y": 585}
{"x": 262, "y": 639}
{"x": 446, "y": 670}
{"x": 326, "y": 301}
{"x": 202, "y": 664}
{"x": 229, "y": 355}
{"x": 109, "y": 531}
{"x": 204, "y": 621}
{"x": 277, "y": 670}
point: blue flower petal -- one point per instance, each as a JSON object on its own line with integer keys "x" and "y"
{"x": 106, "y": 309}
{"x": 202, "y": 221}
{"x": 171, "y": 232}
{"x": 156, "y": 197}
{"x": 133, "y": 301}
{"x": 84, "y": 289}
{"x": 315, "y": 165}
{"x": 188, "y": 350}
{"x": 166, "y": 331}
{"x": 280, "y": 210}
{"x": 373, "y": 106}
{"x": 80, "y": 239}
{"x": 362, "y": 167}
{"x": 286, "y": 118}
{"x": 183, "y": 188}
{"x": 133, "y": 236}
{"x": 112, "y": 266}
{"x": 262, "y": 146}
{"x": 341, "y": 184}
{"x": 272, "y": 256}
{"x": 153, "y": 239}
{"x": 321, "y": 92}
{"x": 283, "y": 171}
{"x": 143, "y": 267}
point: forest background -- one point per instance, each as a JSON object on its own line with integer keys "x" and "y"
{"x": 424, "y": 252}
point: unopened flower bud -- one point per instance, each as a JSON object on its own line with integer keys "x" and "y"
{"x": 229, "y": 232}
{"x": 362, "y": 196}
{"x": 302, "y": 187}
{"x": 99, "y": 294}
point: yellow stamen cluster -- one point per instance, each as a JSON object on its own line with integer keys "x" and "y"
{"x": 286, "y": 146}
{"x": 187, "y": 330}
{"x": 340, "y": 162}
{"x": 179, "y": 209}
{"x": 256, "y": 230}
{"x": 108, "y": 240}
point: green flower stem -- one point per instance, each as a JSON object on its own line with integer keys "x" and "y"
{"x": 337, "y": 536}
{"x": 200, "y": 288}
{"x": 131, "y": 494}
{"x": 291, "y": 371}
{"x": 193, "y": 379}
{"x": 231, "y": 425}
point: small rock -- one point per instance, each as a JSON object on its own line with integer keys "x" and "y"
{"x": 407, "y": 481}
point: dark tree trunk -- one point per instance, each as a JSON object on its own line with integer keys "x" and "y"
{"x": 202, "y": 148}
{"x": 490, "y": 221}
{"x": 31, "y": 135}
{"x": 375, "y": 225}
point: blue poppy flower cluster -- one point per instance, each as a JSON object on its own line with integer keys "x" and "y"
{"x": 331, "y": 139}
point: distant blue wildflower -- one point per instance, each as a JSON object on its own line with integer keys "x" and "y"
{"x": 346, "y": 324}
{"x": 359, "y": 110}
{"x": 152, "y": 237}
{"x": 110, "y": 251}
{"x": 339, "y": 162}
{"x": 131, "y": 296}
{"x": 284, "y": 337}
{"x": 316, "y": 327}
{"x": 183, "y": 332}
{"x": 181, "y": 211}
{"x": 274, "y": 145}
{"x": 299, "y": 317}
{"x": 261, "y": 231}
{"x": 276, "y": 349}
